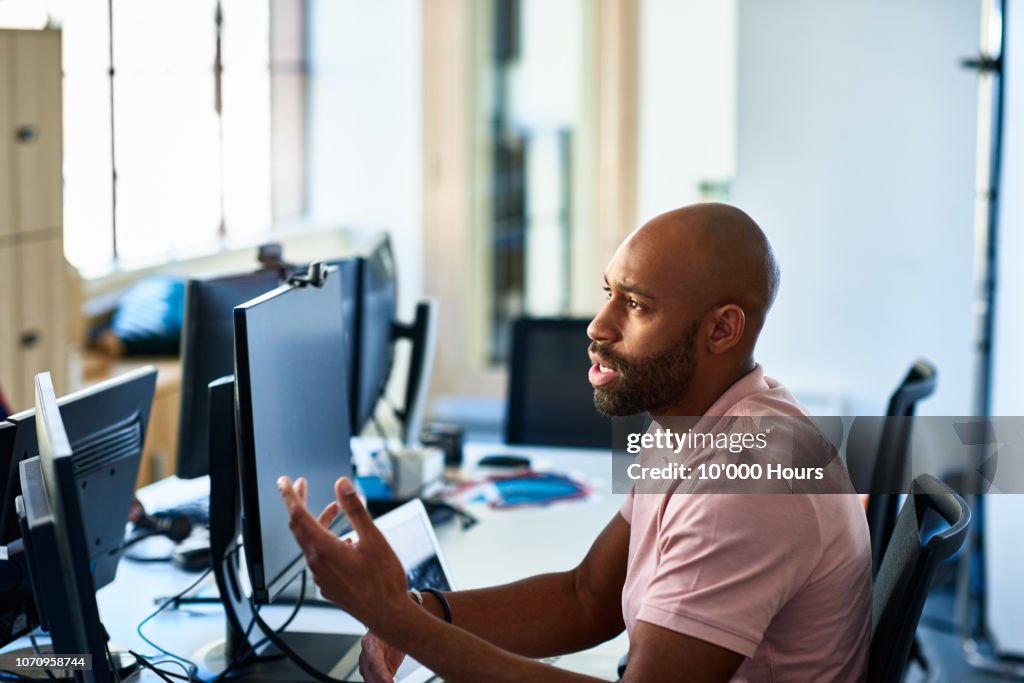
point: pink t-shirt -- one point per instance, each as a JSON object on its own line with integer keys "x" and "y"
{"x": 784, "y": 580}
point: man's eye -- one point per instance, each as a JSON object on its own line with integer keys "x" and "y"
{"x": 607, "y": 292}
{"x": 635, "y": 305}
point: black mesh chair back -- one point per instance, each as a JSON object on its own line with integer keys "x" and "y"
{"x": 550, "y": 400}
{"x": 887, "y": 478}
{"x": 931, "y": 526}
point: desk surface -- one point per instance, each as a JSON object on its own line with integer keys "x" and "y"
{"x": 505, "y": 546}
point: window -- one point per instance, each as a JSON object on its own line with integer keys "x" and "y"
{"x": 171, "y": 153}
{"x": 535, "y": 112}
{"x": 529, "y": 143}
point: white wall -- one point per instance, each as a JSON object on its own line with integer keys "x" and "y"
{"x": 687, "y": 100}
{"x": 855, "y": 153}
{"x": 365, "y": 123}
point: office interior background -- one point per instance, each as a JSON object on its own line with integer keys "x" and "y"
{"x": 507, "y": 147}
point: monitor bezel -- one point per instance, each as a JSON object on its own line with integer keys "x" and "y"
{"x": 77, "y": 628}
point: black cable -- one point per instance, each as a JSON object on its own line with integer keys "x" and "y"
{"x": 110, "y": 663}
{"x": 177, "y": 664}
{"x": 249, "y": 652}
{"x": 294, "y": 656}
{"x": 146, "y": 663}
{"x": 158, "y": 662}
{"x": 193, "y": 668}
{"x": 38, "y": 651}
{"x": 287, "y": 622}
{"x": 241, "y": 656}
{"x": 298, "y": 604}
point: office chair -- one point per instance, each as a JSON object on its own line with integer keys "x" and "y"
{"x": 891, "y": 459}
{"x": 931, "y": 526}
{"x": 550, "y": 399}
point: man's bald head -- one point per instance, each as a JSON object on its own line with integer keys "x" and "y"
{"x": 687, "y": 296}
{"x": 717, "y": 253}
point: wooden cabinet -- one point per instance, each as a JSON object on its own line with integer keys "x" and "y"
{"x": 35, "y": 279}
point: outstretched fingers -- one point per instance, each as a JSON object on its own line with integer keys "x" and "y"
{"x": 355, "y": 511}
{"x": 310, "y": 534}
{"x": 328, "y": 514}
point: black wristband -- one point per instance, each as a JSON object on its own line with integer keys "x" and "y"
{"x": 441, "y": 599}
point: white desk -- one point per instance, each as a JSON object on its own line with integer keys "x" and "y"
{"x": 505, "y": 546}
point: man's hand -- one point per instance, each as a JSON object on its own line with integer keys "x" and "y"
{"x": 364, "y": 577}
{"x": 378, "y": 661}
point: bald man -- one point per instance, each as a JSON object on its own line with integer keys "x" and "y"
{"x": 711, "y": 587}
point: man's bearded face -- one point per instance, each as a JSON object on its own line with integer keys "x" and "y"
{"x": 646, "y": 384}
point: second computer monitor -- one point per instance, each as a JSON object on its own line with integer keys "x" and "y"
{"x": 207, "y": 351}
{"x": 291, "y": 401}
{"x": 379, "y": 297}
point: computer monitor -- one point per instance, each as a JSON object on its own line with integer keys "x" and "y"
{"x": 291, "y": 395}
{"x": 18, "y": 614}
{"x": 422, "y": 336}
{"x": 369, "y": 304}
{"x": 350, "y": 271}
{"x": 379, "y": 301}
{"x": 207, "y": 351}
{"x": 106, "y": 424}
{"x": 67, "y": 535}
{"x": 550, "y": 399}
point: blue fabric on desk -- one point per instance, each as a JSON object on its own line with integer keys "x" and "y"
{"x": 537, "y": 489}
{"x": 149, "y": 316}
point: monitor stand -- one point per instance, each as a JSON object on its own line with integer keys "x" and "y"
{"x": 332, "y": 653}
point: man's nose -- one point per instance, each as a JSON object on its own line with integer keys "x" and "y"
{"x": 602, "y": 328}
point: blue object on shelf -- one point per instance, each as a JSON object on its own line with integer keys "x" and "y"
{"x": 149, "y": 316}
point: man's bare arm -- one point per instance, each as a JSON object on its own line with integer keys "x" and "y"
{"x": 367, "y": 579}
{"x": 555, "y": 613}
{"x": 657, "y": 655}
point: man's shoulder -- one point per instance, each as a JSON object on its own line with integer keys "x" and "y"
{"x": 771, "y": 399}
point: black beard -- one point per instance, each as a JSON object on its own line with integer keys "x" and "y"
{"x": 647, "y": 384}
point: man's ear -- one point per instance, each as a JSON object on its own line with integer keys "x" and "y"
{"x": 729, "y": 323}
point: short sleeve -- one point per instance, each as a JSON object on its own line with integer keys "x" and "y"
{"x": 727, "y": 563}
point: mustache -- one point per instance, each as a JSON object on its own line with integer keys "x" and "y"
{"x": 618, "y": 361}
